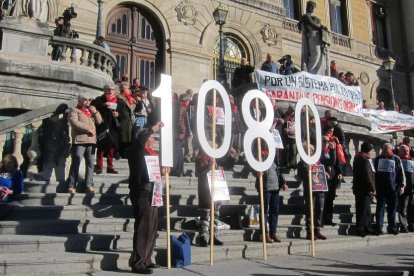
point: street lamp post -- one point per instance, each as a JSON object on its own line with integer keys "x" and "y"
{"x": 99, "y": 24}
{"x": 220, "y": 15}
{"x": 389, "y": 66}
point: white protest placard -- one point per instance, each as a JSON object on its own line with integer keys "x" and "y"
{"x": 322, "y": 90}
{"x": 277, "y": 138}
{"x": 221, "y": 191}
{"x": 220, "y": 119}
{"x": 112, "y": 106}
{"x": 154, "y": 174}
{"x": 319, "y": 183}
{"x": 385, "y": 165}
{"x": 408, "y": 165}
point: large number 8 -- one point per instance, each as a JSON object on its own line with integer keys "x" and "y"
{"x": 256, "y": 129}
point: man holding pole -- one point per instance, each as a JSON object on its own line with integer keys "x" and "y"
{"x": 141, "y": 193}
{"x": 317, "y": 201}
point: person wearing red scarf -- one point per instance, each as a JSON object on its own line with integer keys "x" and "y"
{"x": 82, "y": 120}
{"x": 330, "y": 161}
{"x": 109, "y": 108}
{"x": 126, "y": 117}
{"x": 140, "y": 186}
{"x": 389, "y": 183}
{"x": 406, "y": 200}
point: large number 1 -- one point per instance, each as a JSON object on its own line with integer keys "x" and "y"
{"x": 163, "y": 92}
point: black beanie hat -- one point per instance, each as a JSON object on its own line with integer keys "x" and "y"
{"x": 366, "y": 147}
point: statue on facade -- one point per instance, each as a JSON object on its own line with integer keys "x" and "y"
{"x": 36, "y": 9}
{"x": 314, "y": 42}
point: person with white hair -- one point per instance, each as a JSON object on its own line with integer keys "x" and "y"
{"x": 83, "y": 120}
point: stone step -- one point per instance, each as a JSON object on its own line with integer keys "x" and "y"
{"x": 56, "y": 263}
{"x": 60, "y": 263}
{"x": 63, "y": 199}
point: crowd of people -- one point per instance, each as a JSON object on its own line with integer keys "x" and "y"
{"x": 124, "y": 120}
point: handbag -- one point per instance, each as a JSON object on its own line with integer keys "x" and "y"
{"x": 104, "y": 138}
{"x": 181, "y": 250}
{"x": 340, "y": 154}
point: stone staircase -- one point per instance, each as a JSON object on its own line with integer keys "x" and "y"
{"x": 61, "y": 233}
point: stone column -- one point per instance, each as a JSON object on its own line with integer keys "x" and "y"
{"x": 34, "y": 150}
{"x": 18, "y": 140}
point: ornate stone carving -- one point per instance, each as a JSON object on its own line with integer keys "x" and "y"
{"x": 186, "y": 13}
{"x": 269, "y": 35}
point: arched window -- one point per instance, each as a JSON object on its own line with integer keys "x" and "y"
{"x": 234, "y": 50}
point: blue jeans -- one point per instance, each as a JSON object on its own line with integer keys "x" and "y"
{"x": 79, "y": 152}
{"x": 271, "y": 210}
{"x": 390, "y": 199}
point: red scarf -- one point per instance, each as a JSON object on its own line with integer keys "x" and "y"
{"x": 128, "y": 96}
{"x": 234, "y": 108}
{"x": 84, "y": 111}
{"x": 109, "y": 100}
{"x": 150, "y": 151}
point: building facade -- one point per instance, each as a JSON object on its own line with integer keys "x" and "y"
{"x": 180, "y": 38}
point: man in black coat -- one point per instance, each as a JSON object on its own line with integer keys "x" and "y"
{"x": 363, "y": 188}
{"x": 140, "y": 186}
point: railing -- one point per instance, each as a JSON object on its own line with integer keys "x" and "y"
{"x": 91, "y": 55}
{"x": 340, "y": 40}
{"x": 290, "y": 24}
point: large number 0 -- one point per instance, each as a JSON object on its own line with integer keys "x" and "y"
{"x": 298, "y": 130}
{"x": 163, "y": 92}
{"x": 223, "y": 149}
{"x": 258, "y": 129}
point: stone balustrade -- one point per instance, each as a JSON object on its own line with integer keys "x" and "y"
{"x": 341, "y": 40}
{"x": 86, "y": 54}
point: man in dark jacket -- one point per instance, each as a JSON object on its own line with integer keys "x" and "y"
{"x": 140, "y": 186}
{"x": 389, "y": 183}
{"x": 406, "y": 200}
{"x": 364, "y": 188}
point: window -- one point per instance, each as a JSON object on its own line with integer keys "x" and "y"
{"x": 339, "y": 16}
{"x": 233, "y": 51}
{"x": 379, "y": 26}
{"x": 293, "y": 8}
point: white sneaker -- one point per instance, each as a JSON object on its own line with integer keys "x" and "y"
{"x": 219, "y": 224}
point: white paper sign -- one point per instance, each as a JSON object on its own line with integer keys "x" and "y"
{"x": 277, "y": 138}
{"x": 220, "y": 119}
{"x": 154, "y": 173}
{"x": 112, "y": 106}
{"x": 408, "y": 165}
{"x": 385, "y": 165}
{"x": 221, "y": 191}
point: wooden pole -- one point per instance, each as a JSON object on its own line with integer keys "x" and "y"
{"x": 213, "y": 180}
{"x": 310, "y": 184}
{"x": 262, "y": 214}
{"x": 167, "y": 206}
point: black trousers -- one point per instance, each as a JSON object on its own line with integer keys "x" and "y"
{"x": 318, "y": 199}
{"x": 329, "y": 202}
{"x": 145, "y": 228}
{"x": 363, "y": 212}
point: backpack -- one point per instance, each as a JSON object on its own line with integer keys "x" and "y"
{"x": 181, "y": 250}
